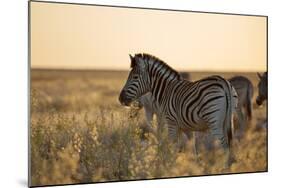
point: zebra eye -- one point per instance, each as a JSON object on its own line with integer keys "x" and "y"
{"x": 135, "y": 77}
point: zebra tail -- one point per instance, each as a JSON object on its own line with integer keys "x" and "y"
{"x": 228, "y": 118}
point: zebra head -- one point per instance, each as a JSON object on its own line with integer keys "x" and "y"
{"x": 262, "y": 87}
{"x": 138, "y": 82}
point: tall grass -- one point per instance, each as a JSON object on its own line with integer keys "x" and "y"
{"x": 79, "y": 133}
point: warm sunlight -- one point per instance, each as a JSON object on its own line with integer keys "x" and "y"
{"x": 77, "y": 36}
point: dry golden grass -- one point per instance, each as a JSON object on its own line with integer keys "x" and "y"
{"x": 80, "y": 133}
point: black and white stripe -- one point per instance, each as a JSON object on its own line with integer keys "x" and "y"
{"x": 151, "y": 108}
{"x": 185, "y": 106}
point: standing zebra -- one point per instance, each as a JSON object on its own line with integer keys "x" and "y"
{"x": 206, "y": 104}
{"x": 245, "y": 92}
{"x": 262, "y": 86}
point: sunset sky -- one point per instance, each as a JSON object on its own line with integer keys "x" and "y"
{"x": 79, "y": 36}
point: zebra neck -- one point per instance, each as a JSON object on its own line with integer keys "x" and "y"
{"x": 161, "y": 77}
{"x": 160, "y": 87}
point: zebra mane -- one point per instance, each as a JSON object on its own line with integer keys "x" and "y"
{"x": 155, "y": 61}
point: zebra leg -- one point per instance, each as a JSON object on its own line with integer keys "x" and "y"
{"x": 193, "y": 136}
{"x": 149, "y": 118}
{"x": 226, "y": 145}
{"x": 195, "y": 146}
{"x": 228, "y": 154}
{"x": 228, "y": 149}
{"x": 182, "y": 139}
{"x": 241, "y": 122}
{"x": 160, "y": 124}
{"x": 219, "y": 131}
{"x": 176, "y": 136}
{"x": 249, "y": 108}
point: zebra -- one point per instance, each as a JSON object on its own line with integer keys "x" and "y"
{"x": 186, "y": 106}
{"x": 262, "y": 87}
{"x": 245, "y": 92}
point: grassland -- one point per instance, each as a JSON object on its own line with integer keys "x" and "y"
{"x": 80, "y": 133}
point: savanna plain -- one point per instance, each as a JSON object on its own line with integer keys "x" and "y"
{"x": 80, "y": 133}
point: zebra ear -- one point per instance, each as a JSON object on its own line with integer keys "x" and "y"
{"x": 140, "y": 62}
{"x": 259, "y": 75}
{"x": 133, "y": 62}
{"x": 131, "y": 57}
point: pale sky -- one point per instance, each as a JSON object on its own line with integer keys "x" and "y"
{"x": 79, "y": 36}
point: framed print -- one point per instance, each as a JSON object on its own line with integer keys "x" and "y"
{"x": 123, "y": 93}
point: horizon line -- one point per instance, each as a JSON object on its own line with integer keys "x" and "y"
{"x": 123, "y": 70}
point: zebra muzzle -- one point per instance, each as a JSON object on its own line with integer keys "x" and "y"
{"x": 123, "y": 99}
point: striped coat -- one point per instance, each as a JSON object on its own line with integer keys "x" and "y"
{"x": 150, "y": 108}
{"x": 186, "y": 106}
